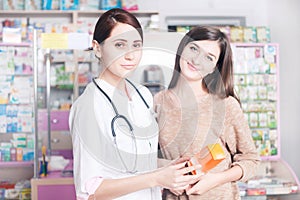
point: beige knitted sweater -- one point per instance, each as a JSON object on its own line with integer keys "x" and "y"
{"x": 187, "y": 125}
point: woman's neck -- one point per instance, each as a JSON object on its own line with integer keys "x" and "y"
{"x": 112, "y": 79}
{"x": 115, "y": 81}
{"x": 195, "y": 86}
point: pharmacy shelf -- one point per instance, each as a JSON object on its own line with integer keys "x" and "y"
{"x": 16, "y": 164}
{"x": 72, "y": 15}
{"x": 29, "y": 12}
{"x": 22, "y": 44}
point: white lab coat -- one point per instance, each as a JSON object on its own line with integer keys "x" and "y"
{"x": 94, "y": 152}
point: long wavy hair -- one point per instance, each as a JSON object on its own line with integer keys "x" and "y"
{"x": 220, "y": 81}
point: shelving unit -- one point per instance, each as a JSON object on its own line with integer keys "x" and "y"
{"x": 56, "y": 88}
{"x": 256, "y": 75}
{"x": 257, "y": 84}
{"x": 70, "y": 16}
{"x": 74, "y": 20}
{"x": 16, "y": 112}
{"x": 60, "y": 71}
{"x": 69, "y": 12}
{"x": 16, "y": 164}
{"x": 16, "y": 74}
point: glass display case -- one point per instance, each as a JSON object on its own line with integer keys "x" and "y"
{"x": 256, "y": 73}
{"x": 63, "y": 73}
{"x": 16, "y": 115}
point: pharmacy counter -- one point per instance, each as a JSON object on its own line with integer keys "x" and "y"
{"x": 56, "y": 185}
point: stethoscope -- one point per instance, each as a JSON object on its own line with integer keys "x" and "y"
{"x": 122, "y": 117}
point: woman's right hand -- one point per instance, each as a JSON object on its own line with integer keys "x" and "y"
{"x": 176, "y": 177}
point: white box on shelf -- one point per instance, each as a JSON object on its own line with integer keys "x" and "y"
{"x": 12, "y": 35}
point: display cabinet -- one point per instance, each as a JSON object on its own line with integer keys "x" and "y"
{"x": 56, "y": 89}
{"x": 55, "y": 186}
{"x": 256, "y": 73}
{"x": 63, "y": 74}
{"x": 69, "y": 71}
{"x": 16, "y": 114}
{"x": 59, "y": 21}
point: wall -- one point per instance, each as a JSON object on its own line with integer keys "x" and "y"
{"x": 248, "y": 8}
{"x": 283, "y": 18}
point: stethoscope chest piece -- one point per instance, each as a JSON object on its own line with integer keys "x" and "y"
{"x": 124, "y": 121}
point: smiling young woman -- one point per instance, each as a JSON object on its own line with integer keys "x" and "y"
{"x": 200, "y": 108}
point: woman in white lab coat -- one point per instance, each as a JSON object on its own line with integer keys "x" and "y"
{"x": 113, "y": 129}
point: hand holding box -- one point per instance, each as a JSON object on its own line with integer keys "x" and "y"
{"x": 208, "y": 157}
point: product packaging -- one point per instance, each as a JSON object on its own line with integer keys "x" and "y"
{"x": 263, "y": 34}
{"x": 69, "y": 4}
{"x": 50, "y": 4}
{"x": 208, "y": 157}
{"x": 109, "y": 4}
{"x": 13, "y": 154}
{"x": 19, "y": 154}
{"x": 236, "y": 34}
{"x": 11, "y": 35}
{"x": 250, "y": 34}
{"x": 13, "y": 5}
{"x": 253, "y": 120}
{"x": 33, "y": 4}
{"x": 89, "y": 4}
{"x": 129, "y": 4}
{"x": 180, "y": 29}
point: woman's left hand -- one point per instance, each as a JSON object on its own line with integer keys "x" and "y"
{"x": 205, "y": 183}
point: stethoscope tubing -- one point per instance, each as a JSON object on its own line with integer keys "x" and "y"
{"x": 117, "y": 116}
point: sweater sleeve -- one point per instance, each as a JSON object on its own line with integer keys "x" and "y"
{"x": 244, "y": 153}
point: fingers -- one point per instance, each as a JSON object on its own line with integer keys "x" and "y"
{"x": 183, "y": 181}
{"x": 187, "y": 170}
{"x": 190, "y": 190}
{"x": 179, "y": 188}
{"x": 180, "y": 165}
{"x": 177, "y": 192}
{"x": 182, "y": 159}
{"x": 183, "y": 188}
{"x": 182, "y": 172}
{"x": 189, "y": 179}
{"x": 188, "y": 187}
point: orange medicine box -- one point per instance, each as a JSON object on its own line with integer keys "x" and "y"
{"x": 19, "y": 154}
{"x": 208, "y": 157}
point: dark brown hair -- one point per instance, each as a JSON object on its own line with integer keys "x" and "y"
{"x": 220, "y": 81}
{"x": 108, "y": 21}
